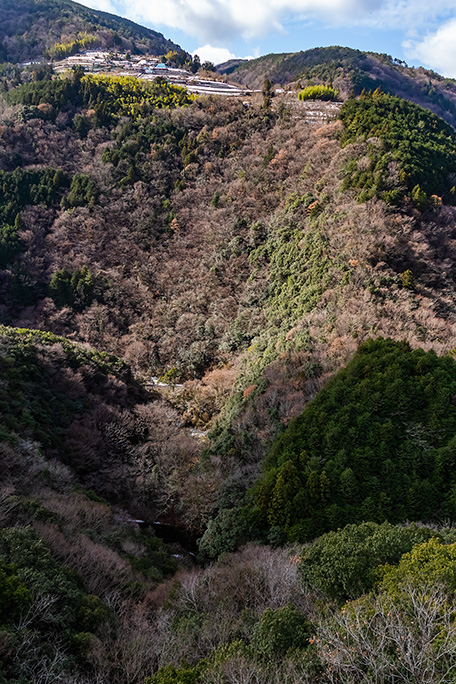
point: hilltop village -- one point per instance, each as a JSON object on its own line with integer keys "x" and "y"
{"x": 149, "y": 67}
{"x": 146, "y": 68}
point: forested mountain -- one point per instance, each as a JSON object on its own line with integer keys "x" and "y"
{"x": 194, "y": 242}
{"x": 351, "y": 72}
{"x": 30, "y": 29}
{"x": 221, "y": 317}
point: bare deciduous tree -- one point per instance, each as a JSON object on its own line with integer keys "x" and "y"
{"x": 383, "y": 639}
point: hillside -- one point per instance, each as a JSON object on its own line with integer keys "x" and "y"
{"x": 82, "y": 410}
{"x": 350, "y": 71}
{"x": 73, "y": 563}
{"x": 226, "y": 318}
{"x": 30, "y": 29}
{"x": 297, "y": 260}
{"x": 88, "y": 596}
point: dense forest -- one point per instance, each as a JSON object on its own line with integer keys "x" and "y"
{"x": 375, "y": 444}
{"x": 227, "y": 379}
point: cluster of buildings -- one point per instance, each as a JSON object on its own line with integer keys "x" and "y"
{"x": 145, "y": 68}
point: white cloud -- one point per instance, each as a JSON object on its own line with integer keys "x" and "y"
{"x": 216, "y": 22}
{"x": 436, "y": 50}
{"x": 410, "y": 15}
{"x": 212, "y": 21}
{"x": 216, "y": 55}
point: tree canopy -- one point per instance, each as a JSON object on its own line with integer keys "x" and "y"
{"x": 377, "y": 443}
{"x": 421, "y": 143}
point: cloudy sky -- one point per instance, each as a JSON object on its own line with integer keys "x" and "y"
{"x": 418, "y": 31}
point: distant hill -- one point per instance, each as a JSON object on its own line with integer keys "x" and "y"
{"x": 286, "y": 67}
{"x": 230, "y": 66}
{"x": 29, "y": 29}
{"x": 351, "y": 71}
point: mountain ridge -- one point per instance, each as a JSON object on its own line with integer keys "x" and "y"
{"x": 30, "y": 28}
{"x": 350, "y": 71}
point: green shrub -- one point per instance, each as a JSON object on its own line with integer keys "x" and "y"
{"x": 318, "y": 92}
{"x": 110, "y": 96}
{"x": 345, "y": 564}
{"x": 170, "y": 674}
{"x": 223, "y": 534}
{"x": 430, "y": 564}
{"x": 407, "y": 280}
{"x": 72, "y": 289}
{"x": 61, "y": 50}
{"x": 280, "y": 632}
{"x": 14, "y": 595}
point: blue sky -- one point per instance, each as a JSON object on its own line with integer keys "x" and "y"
{"x": 418, "y": 31}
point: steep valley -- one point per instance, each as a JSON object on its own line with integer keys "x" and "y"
{"x": 235, "y": 318}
